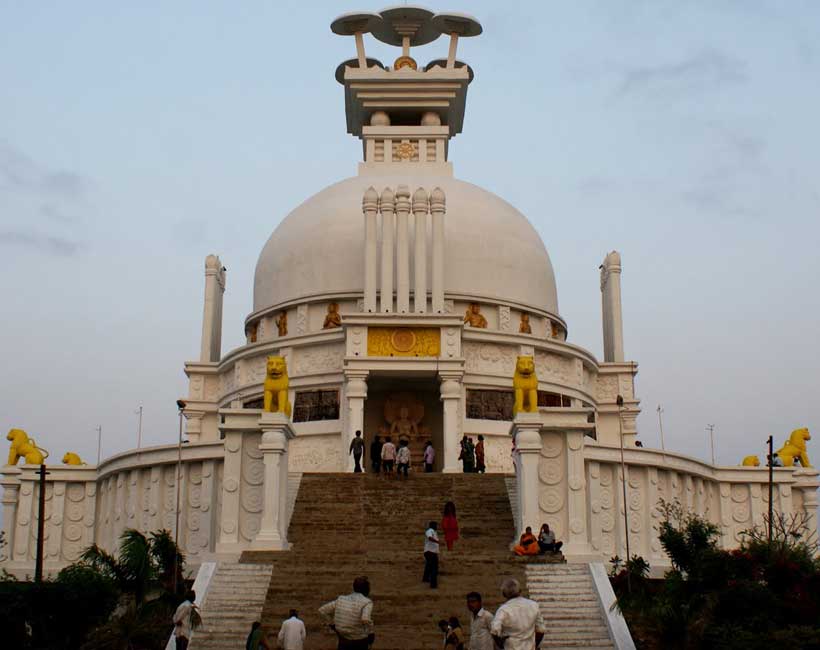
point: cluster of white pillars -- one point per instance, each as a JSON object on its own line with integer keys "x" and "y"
{"x": 395, "y": 209}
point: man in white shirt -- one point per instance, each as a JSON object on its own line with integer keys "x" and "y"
{"x": 403, "y": 459}
{"x": 388, "y": 455}
{"x": 292, "y": 633}
{"x": 182, "y": 621}
{"x": 351, "y": 617}
{"x": 517, "y": 624}
{"x": 431, "y": 556}
{"x": 481, "y": 620}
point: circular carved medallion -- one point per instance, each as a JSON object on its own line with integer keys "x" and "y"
{"x": 403, "y": 340}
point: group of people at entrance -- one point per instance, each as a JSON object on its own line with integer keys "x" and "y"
{"x": 529, "y": 544}
{"x": 472, "y": 455}
{"x": 517, "y": 625}
{"x": 385, "y": 457}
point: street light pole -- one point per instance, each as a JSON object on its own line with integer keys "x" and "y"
{"x": 771, "y": 486}
{"x": 41, "y": 520}
{"x": 660, "y": 427}
{"x": 139, "y": 428}
{"x": 181, "y": 404}
{"x": 620, "y": 402}
{"x": 711, "y": 429}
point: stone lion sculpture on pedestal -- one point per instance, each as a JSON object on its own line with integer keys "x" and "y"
{"x": 276, "y": 387}
{"x": 24, "y": 447}
{"x": 795, "y": 449}
{"x": 525, "y": 384}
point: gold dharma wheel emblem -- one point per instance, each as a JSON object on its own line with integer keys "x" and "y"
{"x": 403, "y": 340}
{"x": 405, "y": 62}
{"x": 406, "y": 150}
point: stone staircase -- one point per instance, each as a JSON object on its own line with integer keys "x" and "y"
{"x": 346, "y": 525}
{"x": 233, "y": 601}
{"x": 570, "y": 607}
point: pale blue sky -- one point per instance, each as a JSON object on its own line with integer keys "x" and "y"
{"x": 135, "y": 138}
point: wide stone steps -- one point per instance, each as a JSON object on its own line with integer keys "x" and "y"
{"x": 233, "y": 601}
{"x": 569, "y": 606}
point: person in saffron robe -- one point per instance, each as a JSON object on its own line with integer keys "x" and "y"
{"x": 449, "y": 524}
{"x": 528, "y": 544}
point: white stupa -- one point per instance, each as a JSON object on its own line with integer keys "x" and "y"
{"x": 400, "y": 299}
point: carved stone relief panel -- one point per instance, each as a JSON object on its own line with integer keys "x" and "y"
{"x": 251, "y": 490}
{"x": 302, "y": 319}
{"x": 489, "y": 358}
{"x": 504, "y": 318}
{"x": 318, "y": 359}
{"x": 607, "y": 388}
{"x": 558, "y": 369}
{"x": 315, "y": 454}
{"x": 255, "y": 369}
{"x": 490, "y": 404}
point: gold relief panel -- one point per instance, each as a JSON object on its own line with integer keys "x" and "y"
{"x": 403, "y": 342}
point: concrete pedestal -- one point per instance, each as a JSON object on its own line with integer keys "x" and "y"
{"x": 276, "y": 432}
{"x": 526, "y": 432}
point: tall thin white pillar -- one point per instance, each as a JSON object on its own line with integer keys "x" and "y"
{"x": 402, "y": 250}
{"x": 420, "y": 208}
{"x": 370, "y": 204}
{"x": 211, "y": 349}
{"x": 386, "y": 208}
{"x": 611, "y": 308}
{"x": 355, "y": 394}
{"x": 526, "y": 432}
{"x": 437, "y": 208}
{"x": 451, "y": 407}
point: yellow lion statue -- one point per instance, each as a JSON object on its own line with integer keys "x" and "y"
{"x": 24, "y": 447}
{"x": 71, "y": 458}
{"x": 751, "y": 461}
{"x": 525, "y": 383}
{"x": 795, "y": 449}
{"x": 276, "y": 386}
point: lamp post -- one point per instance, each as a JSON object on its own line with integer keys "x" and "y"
{"x": 660, "y": 427}
{"x": 620, "y": 401}
{"x": 139, "y": 427}
{"x": 181, "y": 404}
{"x": 711, "y": 429}
{"x": 770, "y": 441}
{"x": 41, "y": 520}
{"x": 99, "y": 443}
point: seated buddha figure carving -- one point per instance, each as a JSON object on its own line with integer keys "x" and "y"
{"x": 333, "y": 318}
{"x": 282, "y": 323}
{"x": 474, "y": 318}
{"x": 524, "y": 327}
{"x": 403, "y": 426}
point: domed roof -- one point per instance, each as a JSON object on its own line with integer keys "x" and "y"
{"x": 491, "y": 250}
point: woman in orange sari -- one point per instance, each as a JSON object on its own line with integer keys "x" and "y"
{"x": 449, "y": 524}
{"x": 527, "y": 545}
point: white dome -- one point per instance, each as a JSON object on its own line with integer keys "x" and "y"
{"x": 491, "y": 250}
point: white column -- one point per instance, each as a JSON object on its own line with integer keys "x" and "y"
{"x": 611, "y": 307}
{"x": 386, "y": 208}
{"x": 356, "y": 394}
{"x": 402, "y": 250}
{"x": 577, "y": 539}
{"x": 370, "y": 204}
{"x": 437, "y": 207}
{"x": 527, "y": 436}
{"x": 211, "y": 348}
{"x": 420, "y": 208}
{"x": 276, "y": 432}
{"x": 360, "y": 50}
{"x": 11, "y": 493}
{"x": 451, "y": 53}
{"x": 451, "y": 406}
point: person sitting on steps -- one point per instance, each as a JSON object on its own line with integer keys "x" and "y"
{"x": 528, "y": 544}
{"x": 546, "y": 540}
